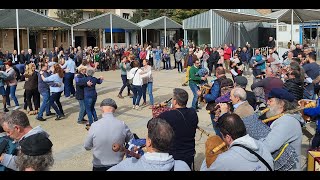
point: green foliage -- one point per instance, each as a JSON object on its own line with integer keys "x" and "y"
{"x": 70, "y": 16}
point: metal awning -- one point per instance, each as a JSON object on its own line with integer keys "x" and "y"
{"x": 159, "y": 23}
{"x": 103, "y": 21}
{"x": 241, "y": 17}
{"x": 28, "y": 18}
{"x": 299, "y": 15}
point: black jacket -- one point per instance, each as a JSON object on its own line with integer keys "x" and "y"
{"x": 251, "y": 98}
{"x": 80, "y": 88}
{"x": 214, "y": 57}
{"x": 295, "y": 86}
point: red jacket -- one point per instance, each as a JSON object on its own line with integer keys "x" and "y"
{"x": 227, "y": 53}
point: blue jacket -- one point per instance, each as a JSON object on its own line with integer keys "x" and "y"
{"x": 214, "y": 92}
{"x": 314, "y": 112}
{"x": 90, "y": 92}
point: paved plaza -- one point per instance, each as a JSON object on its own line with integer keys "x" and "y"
{"x": 68, "y": 137}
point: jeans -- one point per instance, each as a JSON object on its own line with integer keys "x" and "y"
{"x": 137, "y": 93}
{"x": 45, "y": 106}
{"x": 82, "y": 112}
{"x": 11, "y": 90}
{"x": 214, "y": 124}
{"x": 157, "y": 64}
{"x": 124, "y": 84}
{"x": 168, "y": 63}
{"x": 68, "y": 84}
{"x": 308, "y": 92}
{"x": 55, "y": 103}
{"x": 194, "y": 88}
{"x": 91, "y": 112}
{"x": 144, "y": 92}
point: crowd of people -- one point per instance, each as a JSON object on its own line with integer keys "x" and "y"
{"x": 253, "y": 145}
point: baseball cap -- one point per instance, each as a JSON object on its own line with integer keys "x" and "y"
{"x": 109, "y": 102}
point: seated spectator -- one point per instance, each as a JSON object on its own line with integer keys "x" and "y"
{"x": 157, "y": 157}
{"x": 244, "y": 153}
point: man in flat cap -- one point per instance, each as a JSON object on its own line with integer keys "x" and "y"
{"x": 103, "y": 133}
{"x": 287, "y": 128}
{"x": 241, "y": 81}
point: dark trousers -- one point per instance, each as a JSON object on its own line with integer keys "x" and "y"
{"x": 210, "y": 67}
{"x": 179, "y": 64}
{"x": 35, "y": 95}
{"x": 124, "y": 84}
{"x": 102, "y": 65}
{"x": 151, "y": 61}
{"x": 101, "y": 168}
{"x": 316, "y": 141}
{"x": 55, "y": 101}
{"x": 68, "y": 83}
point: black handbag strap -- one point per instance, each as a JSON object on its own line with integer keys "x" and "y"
{"x": 254, "y": 153}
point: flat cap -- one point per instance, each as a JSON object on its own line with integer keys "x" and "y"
{"x": 35, "y": 145}
{"x": 241, "y": 80}
{"x": 281, "y": 93}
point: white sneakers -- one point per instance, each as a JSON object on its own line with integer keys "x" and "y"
{"x": 16, "y": 107}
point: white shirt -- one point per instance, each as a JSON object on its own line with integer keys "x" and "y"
{"x": 137, "y": 80}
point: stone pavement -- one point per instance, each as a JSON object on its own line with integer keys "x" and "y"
{"x": 68, "y": 137}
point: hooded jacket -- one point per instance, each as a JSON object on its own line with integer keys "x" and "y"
{"x": 240, "y": 159}
{"x": 9, "y": 160}
{"x": 286, "y": 129}
{"x": 151, "y": 162}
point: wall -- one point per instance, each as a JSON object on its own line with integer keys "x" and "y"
{"x": 285, "y": 36}
{"x": 7, "y": 40}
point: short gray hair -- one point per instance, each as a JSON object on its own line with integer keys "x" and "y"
{"x": 16, "y": 117}
{"x": 90, "y": 72}
{"x": 240, "y": 93}
{"x": 181, "y": 96}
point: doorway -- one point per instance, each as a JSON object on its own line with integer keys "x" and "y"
{"x": 78, "y": 41}
{"x": 91, "y": 41}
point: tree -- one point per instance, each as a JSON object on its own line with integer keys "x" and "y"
{"x": 70, "y": 16}
{"x": 138, "y": 15}
{"x": 179, "y": 15}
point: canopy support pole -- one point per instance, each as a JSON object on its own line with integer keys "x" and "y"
{"x": 165, "y": 32}
{"x": 141, "y": 33}
{"x": 277, "y": 33}
{"x": 111, "y": 32}
{"x": 104, "y": 38}
{"x": 18, "y": 37}
{"x": 72, "y": 38}
{"x": 28, "y": 40}
{"x": 239, "y": 30}
{"x": 147, "y": 36}
{"x": 291, "y": 25}
{"x": 211, "y": 28}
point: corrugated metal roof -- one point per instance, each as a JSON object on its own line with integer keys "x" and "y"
{"x": 158, "y": 23}
{"x": 28, "y": 18}
{"x": 239, "y": 17}
{"x": 299, "y": 15}
{"x": 103, "y": 21}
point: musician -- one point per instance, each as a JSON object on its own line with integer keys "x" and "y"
{"x": 215, "y": 93}
{"x": 315, "y": 112}
{"x": 269, "y": 82}
{"x": 157, "y": 158}
{"x": 35, "y": 154}
{"x": 312, "y": 70}
{"x": 17, "y": 127}
{"x": 103, "y": 133}
{"x": 193, "y": 81}
{"x": 237, "y": 157}
{"x": 241, "y": 81}
{"x": 241, "y": 106}
{"x": 184, "y": 122}
{"x": 287, "y": 128}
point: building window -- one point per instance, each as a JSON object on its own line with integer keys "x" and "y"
{"x": 91, "y": 15}
{"x": 118, "y": 37}
{"x": 282, "y": 28}
{"x": 125, "y": 15}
